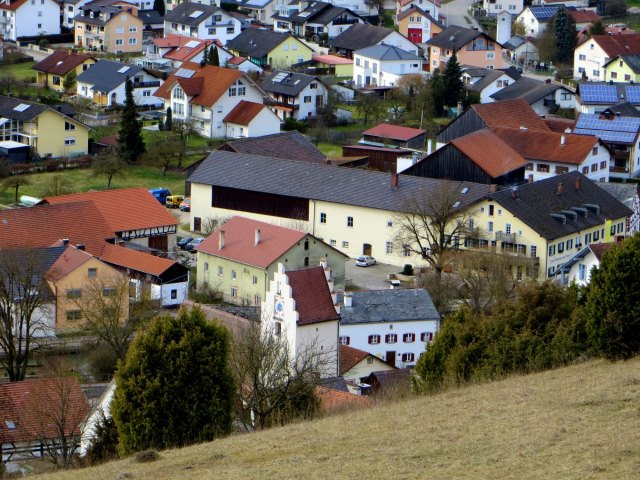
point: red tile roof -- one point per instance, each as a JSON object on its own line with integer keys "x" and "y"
{"x": 60, "y": 62}
{"x": 215, "y": 82}
{"x": 350, "y": 357}
{"x": 191, "y": 86}
{"x": 183, "y": 53}
{"x": 312, "y": 296}
{"x": 43, "y": 225}
{"x": 599, "y": 249}
{"x": 239, "y": 242}
{"x": 394, "y": 132}
{"x": 331, "y": 59}
{"x": 584, "y": 16}
{"x": 122, "y": 209}
{"x": 335, "y": 400}
{"x": 560, "y": 124}
{"x": 135, "y": 260}
{"x": 614, "y": 45}
{"x": 489, "y": 152}
{"x": 12, "y": 5}
{"x": 244, "y": 113}
{"x": 236, "y": 60}
{"x": 40, "y": 408}
{"x": 509, "y": 113}
{"x": 172, "y": 40}
{"x": 66, "y": 263}
{"x": 539, "y": 145}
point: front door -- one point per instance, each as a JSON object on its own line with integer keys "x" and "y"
{"x": 366, "y": 249}
{"x": 390, "y": 358}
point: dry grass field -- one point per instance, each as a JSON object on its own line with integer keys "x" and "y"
{"x": 580, "y": 422}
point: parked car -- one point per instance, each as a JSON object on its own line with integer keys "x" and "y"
{"x": 160, "y": 194}
{"x": 191, "y": 246}
{"x": 182, "y": 243}
{"x": 365, "y": 261}
{"x": 185, "y": 206}
{"x": 174, "y": 201}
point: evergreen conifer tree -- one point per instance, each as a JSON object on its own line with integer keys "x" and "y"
{"x": 130, "y": 141}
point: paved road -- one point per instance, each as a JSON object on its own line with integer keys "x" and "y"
{"x": 457, "y": 13}
{"x": 369, "y": 278}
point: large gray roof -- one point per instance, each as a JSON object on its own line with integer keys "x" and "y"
{"x": 8, "y": 105}
{"x": 104, "y": 75}
{"x": 530, "y": 89}
{"x": 256, "y": 42}
{"x": 387, "y": 53}
{"x": 290, "y": 85}
{"x": 183, "y": 13}
{"x": 454, "y": 37}
{"x": 360, "y": 35}
{"x": 349, "y": 186}
{"x": 398, "y": 305}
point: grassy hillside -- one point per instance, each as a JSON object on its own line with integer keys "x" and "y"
{"x": 581, "y": 422}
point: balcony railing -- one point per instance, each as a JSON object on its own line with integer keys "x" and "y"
{"x": 505, "y": 237}
{"x": 152, "y": 83}
{"x": 618, "y": 170}
{"x": 345, "y": 21}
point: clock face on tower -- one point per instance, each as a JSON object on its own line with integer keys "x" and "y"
{"x": 278, "y": 308}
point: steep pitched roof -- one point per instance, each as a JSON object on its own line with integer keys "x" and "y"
{"x": 148, "y": 212}
{"x": 106, "y": 75}
{"x": 60, "y": 62}
{"x": 535, "y": 202}
{"x": 632, "y": 60}
{"x": 8, "y": 107}
{"x": 530, "y": 89}
{"x": 44, "y": 225}
{"x": 624, "y": 109}
{"x": 291, "y": 145}
{"x": 287, "y": 83}
{"x": 239, "y": 242}
{"x": 394, "y": 132}
{"x": 560, "y": 124}
{"x": 207, "y": 84}
{"x": 489, "y": 152}
{"x": 150, "y": 17}
{"x": 509, "y": 113}
{"x": 256, "y": 42}
{"x": 487, "y": 77}
{"x": 332, "y": 400}
{"x": 13, "y": 5}
{"x": 135, "y": 260}
{"x": 454, "y": 37}
{"x": 311, "y": 293}
{"x": 244, "y": 113}
{"x": 584, "y": 16}
{"x": 387, "y": 53}
{"x": 193, "y": 14}
{"x": 398, "y": 305}
{"x": 185, "y": 48}
{"x": 615, "y": 45}
{"x": 360, "y": 35}
{"x": 413, "y": 10}
{"x": 322, "y": 182}
{"x": 39, "y": 408}
{"x": 349, "y": 357}
{"x": 70, "y": 259}
{"x": 540, "y": 145}
{"x": 610, "y": 129}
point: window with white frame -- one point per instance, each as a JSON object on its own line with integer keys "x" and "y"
{"x": 409, "y": 337}
{"x": 408, "y": 357}
{"x": 69, "y": 126}
{"x": 133, "y": 29}
{"x": 344, "y": 340}
{"x": 70, "y": 141}
{"x": 426, "y": 336}
{"x": 133, "y": 41}
{"x": 178, "y": 93}
{"x": 374, "y": 339}
{"x": 234, "y": 292}
{"x": 237, "y": 89}
{"x": 391, "y": 338}
{"x": 345, "y": 244}
{"x": 582, "y": 272}
{"x": 389, "y": 248}
{"x": 119, "y": 41}
{"x": 323, "y": 218}
{"x": 349, "y": 221}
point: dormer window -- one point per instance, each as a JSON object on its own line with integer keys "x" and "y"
{"x": 178, "y": 93}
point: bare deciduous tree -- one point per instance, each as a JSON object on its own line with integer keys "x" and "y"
{"x": 25, "y": 303}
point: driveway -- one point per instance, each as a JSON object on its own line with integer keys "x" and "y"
{"x": 368, "y": 278}
{"x": 457, "y": 13}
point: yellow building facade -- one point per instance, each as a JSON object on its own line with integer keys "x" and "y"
{"x": 56, "y": 82}
{"x": 620, "y": 70}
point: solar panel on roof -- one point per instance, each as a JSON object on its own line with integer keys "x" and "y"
{"x": 185, "y": 73}
{"x": 598, "y": 93}
{"x": 279, "y": 77}
{"x": 192, "y": 44}
{"x": 633, "y": 93}
{"x": 22, "y": 107}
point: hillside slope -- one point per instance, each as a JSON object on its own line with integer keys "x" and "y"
{"x": 579, "y": 422}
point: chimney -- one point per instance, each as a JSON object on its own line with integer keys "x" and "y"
{"x": 560, "y": 189}
{"x": 414, "y": 158}
{"x": 563, "y": 140}
{"x": 493, "y": 188}
{"x": 395, "y": 180}
{"x": 567, "y": 130}
{"x": 523, "y": 128}
{"x": 348, "y": 299}
{"x": 578, "y": 183}
{"x": 514, "y": 193}
{"x": 429, "y": 146}
{"x": 221, "y": 240}
{"x": 80, "y": 246}
{"x": 257, "y": 236}
{"x": 65, "y": 241}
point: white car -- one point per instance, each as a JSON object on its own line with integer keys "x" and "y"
{"x": 365, "y": 261}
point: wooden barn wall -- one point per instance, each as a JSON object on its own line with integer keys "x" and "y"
{"x": 465, "y": 124}
{"x": 262, "y": 203}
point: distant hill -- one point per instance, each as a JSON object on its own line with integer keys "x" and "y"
{"x": 579, "y": 422}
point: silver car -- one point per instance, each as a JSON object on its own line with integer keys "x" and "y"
{"x": 365, "y": 261}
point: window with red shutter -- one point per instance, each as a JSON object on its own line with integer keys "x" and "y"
{"x": 391, "y": 338}
{"x": 409, "y": 337}
{"x": 374, "y": 339}
{"x": 345, "y": 340}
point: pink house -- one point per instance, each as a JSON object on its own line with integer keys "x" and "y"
{"x": 471, "y": 47}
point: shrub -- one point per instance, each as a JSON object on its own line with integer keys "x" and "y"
{"x": 408, "y": 269}
{"x": 104, "y": 446}
{"x": 147, "y": 456}
{"x": 51, "y": 165}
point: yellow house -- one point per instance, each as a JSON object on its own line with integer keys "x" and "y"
{"x": 358, "y": 211}
{"x": 623, "y": 68}
{"x": 54, "y": 70}
{"x": 77, "y": 280}
{"x": 115, "y": 28}
{"x": 50, "y": 132}
{"x": 267, "y": 48}
{"x": 418, "y": 25}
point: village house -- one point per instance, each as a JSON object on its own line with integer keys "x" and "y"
{"x": 394, "y": 324}
{"x": 431, "y": 7}
{"x": 104, "y": 83}
{"x": 403, "y": 137}
{"x": 250, "y": 119}
{"x": 55, "y": 69}
{"x": 239, "y": 258}
{"x": 578, "y": 269}
{"x": 622, "y": 68}
{"x": 383, "y": 65}
{"x": 590, "y": 57}
{"x": 494, "y": 7}
{"x": 108, "y": 26}
{"x": 356, "y": 365}
{"x": 263, "y": 10}
{"x": 201, "y": 21}
{"x": 521, "y": 50}
{"x": 487, "y": 81}
{"x": 544, "y": 97}
{"x": 23, "y": 18}
{"x": 296, "y": 95}
{"x": 596, "y": 97}
{"x": 267, "y": 48}
{"x": 471, "y": 47}
{"x": 205, "y": 95}
{"x": 243, "y": 64}
{"x": 418, "y": 25}
{"x": 315, "y": 20}
{"x": 535, "y": 18}
{"x": 173, "y": 50}
{"x": 359, "y": 36}
{"x": 47, "y": 130}
{"x": 299, "y": 305}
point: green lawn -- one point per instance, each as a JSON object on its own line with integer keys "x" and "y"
{"x": 330, "y": 150}
{"x": 84, "y": 180}
{"x": 22, "y": 71}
